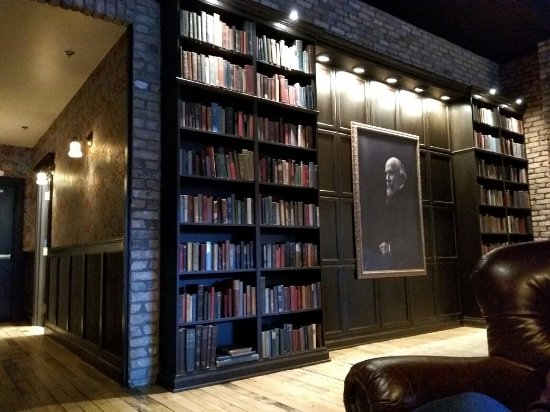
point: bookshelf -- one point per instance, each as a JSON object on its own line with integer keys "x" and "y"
{"x": 241, "y": 287}
{"x": 493, "y": 207}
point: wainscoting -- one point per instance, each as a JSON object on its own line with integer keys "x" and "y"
{"x": 85, "y": 302}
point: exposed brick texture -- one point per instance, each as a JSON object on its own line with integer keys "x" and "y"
{"x": 529, "y": 77}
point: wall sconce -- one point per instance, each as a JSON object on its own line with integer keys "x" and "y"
{"x": 45, "y": 170}
{"x": 75, "y": 147}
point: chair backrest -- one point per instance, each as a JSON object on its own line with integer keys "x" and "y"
{"x": 512, "y": 287}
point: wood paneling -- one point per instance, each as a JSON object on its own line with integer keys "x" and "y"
{"x": 437, "y": 124}
{"x": 421, "y": 292}
{"x": 393, "y": 302}
{"x": 328, "y": 215}
{"x": 383, "y": 105}
{"x": 441, "y": 178}
{"x": 410, "y": 114}
{"x": 86, "y": 301}
{"x": 327, "y": 161}
{"x": 350, "y": 100}
{"x": 325, "y": 96}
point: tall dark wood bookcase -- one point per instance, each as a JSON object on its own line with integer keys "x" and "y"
{"x": 239, "y": 198}
{"x": 492, "y": 190}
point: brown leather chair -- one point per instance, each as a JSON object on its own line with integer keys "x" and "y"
{"x": 512, "y": 287}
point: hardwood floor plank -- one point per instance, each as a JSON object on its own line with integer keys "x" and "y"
{"x": 37, "y": 374}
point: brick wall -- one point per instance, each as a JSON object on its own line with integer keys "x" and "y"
{"x": 143, "y": 183}
{"x": 355, "y": 21}
{"x": 529, "y": 77}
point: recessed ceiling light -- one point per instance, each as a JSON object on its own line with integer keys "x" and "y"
{"x": 391, "y": 80}
{"x": 323, "y": 58}
{"x": 493, "y": 91}
{"x": 519, "y": 101}
{"x": 445, "y": 97}
{"x": 359, "y": 69}
{"x": 69, "y": 53}
{"x": 293, "y": 15}
{"x": 420, "y": 89}
{"x": 476, "y": 96}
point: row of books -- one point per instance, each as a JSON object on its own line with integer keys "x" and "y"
{"x": 508, "y": 224}
{"x": 288, "y": 172}
{"x": 289, "y": 255}
{"x": 278, "y": 88}
{"x": 485, "y": 115}
{"x": 202, "y": 208}
{"x": 224, "y": 299}
{"x": 278, "y": 131}
{"x": 220, "y": 164}
{"x": 216, "y": 118}
{"x": 515, "y": 174}
{"x": 209, "y": 256}
{"x": 288, "y": 339}
{"x": 492, "y": 170}
{"x": 508, "y": 198}
{"x": 216, "y": 71}
{"x": 512, "y": 124}
{"x": 512, "y": 148}
{"x": 288, "y": 298}
{"x": 210, "y": 29}
{"x": 487, "y": 142}
{"x": 486, "y": 248}
{"x": 197, "y": 348}
{"x": 489, "y": 169}
{"x": 288, "y": 213}
{"x": 294, "y": 57}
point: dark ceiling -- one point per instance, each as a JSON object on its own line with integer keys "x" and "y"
{"x": 500, "y": 30}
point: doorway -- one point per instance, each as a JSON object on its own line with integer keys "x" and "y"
{"x": 11, "y": 232}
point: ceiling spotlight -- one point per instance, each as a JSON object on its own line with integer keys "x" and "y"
{"x": 476, "y": 96}
{"x": 293, "y": 15}
{"x": 323, "y": 58}
{"x": 69, "y": 53}
{"x": 492, "y": 91}
{"x": 445, "y": 98}
{"x": 519, "y": 101}
{"x": 420, "y": 89}
{"x": 359, "y": 69}
{"x": 391, "y": 80}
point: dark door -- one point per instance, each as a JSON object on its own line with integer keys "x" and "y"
{"x": 10, "y": 250}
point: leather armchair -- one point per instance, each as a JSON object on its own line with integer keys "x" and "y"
{"x": 512, "y": 287}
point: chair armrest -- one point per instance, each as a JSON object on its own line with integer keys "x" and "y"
{"x": 402, "y": 383}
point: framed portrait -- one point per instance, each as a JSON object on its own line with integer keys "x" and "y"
{"x": 389, "y": 237}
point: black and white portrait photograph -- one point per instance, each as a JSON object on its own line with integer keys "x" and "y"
{"x": 387, "y": 203}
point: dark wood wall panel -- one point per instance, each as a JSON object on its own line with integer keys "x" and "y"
{"x": 76, "y": 305}
{"x": 92, "y": 308}
{"x": 350, "y": 100}
{"x": 53, "y": 274}
{"x": 362, "y": 310}
{"x": 86, "y": 302}
{"x": 113, "y": 283}
{"x": 64, "y": 292}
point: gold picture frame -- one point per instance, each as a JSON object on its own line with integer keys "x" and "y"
{"x": 389, "y": 235}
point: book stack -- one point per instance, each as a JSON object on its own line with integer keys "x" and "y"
{"x": 289, "y": 255}
{"x": 277, "y": 131}
{"x": 293, "y": 57}
{"x": 289, "y": 213}
{"x": 282, "y": 298}
{"x": 219, "y": 164}
{"x": 228, "y": 356}
{"x": 209, "y": 256}
{"x": 288, "y": 172}
{"x": 202, "y": 208}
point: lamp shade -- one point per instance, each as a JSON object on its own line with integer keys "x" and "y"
{"x": 42, "y": 178}
{"x": 75, "y": 149}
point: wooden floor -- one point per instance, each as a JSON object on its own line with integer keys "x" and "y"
{"x": 38, "y": 374}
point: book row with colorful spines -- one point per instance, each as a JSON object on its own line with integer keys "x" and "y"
{"x": 510, "y": 224}
{"x": 508, "y": 198}
{"x": 288, "y": 213}
{"x": 289, "y": 255}
{"x": 217, "y": 72}
{"x": 202, "y": 208}
{"x": 289, "y": 339}
{"x": 209, "y": 28}
{"x": 197, "y": 348}
{"x": 224, "y": 299}
{"x": 288, "y": 298}
{"x": 220, "y": 164}
{"x": 225, "y": 120}
{"x": 288, "y": 172}
{"x": 511, "y": 148}
{"x": 486, "y": 248}
{"x": 216, "y": 118}
{"x": 209, "y": 256}
{"x": 492, "y": 170}
{"x": 293, "y": 57}
{"x": 485, "y": 115}
{"x": 511, "y": 123}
